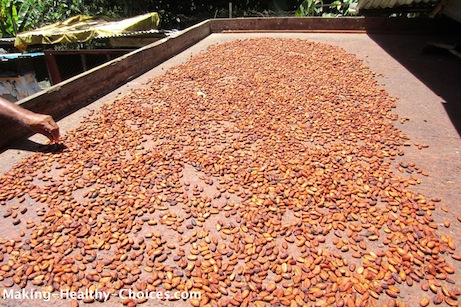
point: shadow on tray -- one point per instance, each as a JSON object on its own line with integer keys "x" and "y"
{"x": 433, "y": 59}
{"x": 32, "y": 146}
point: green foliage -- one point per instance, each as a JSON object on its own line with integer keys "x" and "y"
{"x": 310, "y": 8}
{"x": 173, "y": 13}
{"x": 14, "y": 16}
{"x": 341, "y": 7}
{"x": 326, "y": 9}
{"x": 22, "y": 15}
{"x": 50, "y": 11}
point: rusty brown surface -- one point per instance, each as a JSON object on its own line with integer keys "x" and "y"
{"x": 68, "y": 96}
{"x": 426, "y": 89}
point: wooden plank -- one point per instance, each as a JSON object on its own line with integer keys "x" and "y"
{"x": 286, "y": 23}
{"x": 321, "y": 24}
{"x": 53, "y": 68}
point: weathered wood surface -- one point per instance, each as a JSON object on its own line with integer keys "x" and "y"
{"x": 321, "y": 24}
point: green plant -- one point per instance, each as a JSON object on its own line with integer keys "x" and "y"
{"x": 326, "y": 9}
{"x": 341, "y": 7}
{"x": 310, "y": 8}
{"x": 14, "y": 16}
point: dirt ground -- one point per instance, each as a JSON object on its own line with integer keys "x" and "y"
{"x": 428, "y": 103}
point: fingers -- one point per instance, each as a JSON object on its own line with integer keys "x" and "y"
{"x": 55, "y": 134}
{"x": 51, "y": 130}
{"x": 44, "y": 124}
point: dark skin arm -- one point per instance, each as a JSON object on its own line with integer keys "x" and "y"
{"x": 39, "y": 123}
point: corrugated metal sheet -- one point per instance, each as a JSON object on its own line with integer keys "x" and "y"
{"x": 7, "y": 40}
{"x": 153, "y": 32}
{"x": 14, "y": 56}
{"x": 382, "y": 4}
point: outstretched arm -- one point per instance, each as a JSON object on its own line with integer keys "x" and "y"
{"x": 39, "y": 123}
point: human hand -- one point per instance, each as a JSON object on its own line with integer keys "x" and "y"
{"x": 39, "y": 123}
{"x": 44, "y": 124}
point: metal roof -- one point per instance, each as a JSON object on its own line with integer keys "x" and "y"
{"x": 13, "y": 56}
{"x": 146, "y": 33}
{"x": 7, "y": 39}
{"x": 382, "y": 4}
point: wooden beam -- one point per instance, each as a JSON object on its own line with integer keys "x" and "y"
{"x": 334, "y": 24}
{"x": 53, "y": 68}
